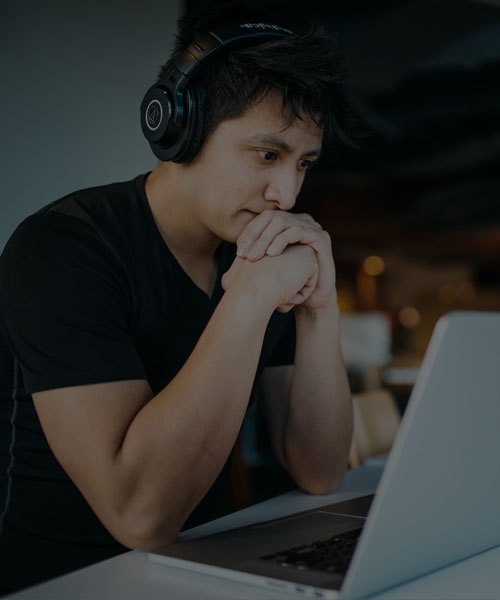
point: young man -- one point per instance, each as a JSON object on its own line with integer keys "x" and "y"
{"x": 134, "y": 336}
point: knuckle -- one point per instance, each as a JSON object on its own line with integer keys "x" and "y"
{"x": 307, "y": 218}
{"x": 280, "y": 238}
{"x": 298, "y": 230}
{"x": 265, "y": 238}
{"x": 280, "y": 220}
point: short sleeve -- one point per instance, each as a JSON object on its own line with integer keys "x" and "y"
{"x": 64, "y": 305}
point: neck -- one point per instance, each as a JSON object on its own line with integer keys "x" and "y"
{"x": 175, "y": 214}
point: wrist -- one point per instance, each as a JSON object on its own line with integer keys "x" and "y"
{"x": 328, "y": 310}
{"x": 251, "y": 301}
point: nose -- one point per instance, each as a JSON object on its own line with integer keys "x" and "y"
{"x": 283, "y": 189}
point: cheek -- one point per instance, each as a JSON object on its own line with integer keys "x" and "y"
{"x": 236, "y": 195}
{"x": 235, "y": 174}
{"x": 227, "y": 187}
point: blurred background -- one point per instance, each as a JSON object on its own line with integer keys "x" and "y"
{"x": 414, "y": 213}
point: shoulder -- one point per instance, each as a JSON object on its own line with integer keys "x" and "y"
{"x": 75, "y": 242}
{"x": 47, "y": 242}
{"x": 102, "y": 208}
{"x": 90, "y": 224}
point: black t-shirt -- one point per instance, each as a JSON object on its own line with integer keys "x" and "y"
{"x": 90, "y": 293}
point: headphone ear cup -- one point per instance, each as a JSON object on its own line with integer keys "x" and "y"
{"x": 156, "y": 112}
{"x": 167, "y": 121}
{"x": 194, "y": 128}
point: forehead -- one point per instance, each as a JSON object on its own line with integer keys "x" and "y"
{"x": 265, "y": 120}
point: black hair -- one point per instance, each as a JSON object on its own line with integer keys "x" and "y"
{"x": 305, "y": 71}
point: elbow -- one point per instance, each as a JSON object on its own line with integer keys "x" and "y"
{"x": 142, "y": 517}
{"x": 321, "y": 483}
{"x": 316, "y": 476}
{"x": 322, "y": 486}
{"x": 145, "y": 533}
{"x": 318, "y": 489}
{"x": 147, "y": 540}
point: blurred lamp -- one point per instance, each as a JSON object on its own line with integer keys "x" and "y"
{"x": 373, "y": 265}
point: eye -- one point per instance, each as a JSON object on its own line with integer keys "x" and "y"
{"x": 305, "y": 165}
{"x": 267, "y": 155}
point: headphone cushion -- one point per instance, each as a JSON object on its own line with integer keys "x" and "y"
{"x": 193, "y": 141}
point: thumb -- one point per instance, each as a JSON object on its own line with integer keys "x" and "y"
{"x": 228, "y": 276}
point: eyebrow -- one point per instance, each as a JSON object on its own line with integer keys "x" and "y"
{"x": 276, "y": 142}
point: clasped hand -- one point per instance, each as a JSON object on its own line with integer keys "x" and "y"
{"x": 270, "y": 233}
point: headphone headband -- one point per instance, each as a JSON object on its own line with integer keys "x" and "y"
{"x": 204, "y": 45}
{"x": 169, "y": 117}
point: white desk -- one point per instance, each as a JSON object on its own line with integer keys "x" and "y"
{"x": 132, "y": 576}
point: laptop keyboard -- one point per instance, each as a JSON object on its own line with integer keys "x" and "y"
{"x": 332, "y": 555}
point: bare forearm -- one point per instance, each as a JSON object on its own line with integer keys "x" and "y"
{"x": 310, "y": 427}
{"x": 148, "y": 460}
{"x": 177, "y": 444}
{"x": 318, "y": 427}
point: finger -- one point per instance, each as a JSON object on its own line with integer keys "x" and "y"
{"x": 252, "y": 231}
{"x": 304, "y": 294}
{"x": 284, "y": 308}
{"x": 279, "y": 234}
{"x": 230, "y": 273}
{"x": 326, "y": 265}
{"x": 262, "y": 239}
{"x": 226, "y": 280}
{"x": 265, "y": 239}
{"x": 261, "y": 231}
{"x": 294, "y": 235}
{"x": 308, "y": 219}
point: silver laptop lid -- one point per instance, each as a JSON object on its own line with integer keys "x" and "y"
{"x": 439, "y": 497}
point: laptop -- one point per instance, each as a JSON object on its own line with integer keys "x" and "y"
{"x": 438, "y": 500}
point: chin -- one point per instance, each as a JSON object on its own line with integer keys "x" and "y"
{"x": 231, "y": 238}
{"x": 229, "y": 235}
{"x": 237, "y": 226}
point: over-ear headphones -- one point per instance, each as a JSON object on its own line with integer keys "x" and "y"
{"x": 171, "y": 118}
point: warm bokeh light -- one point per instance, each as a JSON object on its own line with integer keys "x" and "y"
{"x": 448, "y": 293}
{"x": 466, "y": 291}
{"x": 373, "y": 265}
{"x": 409, "y": 317}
